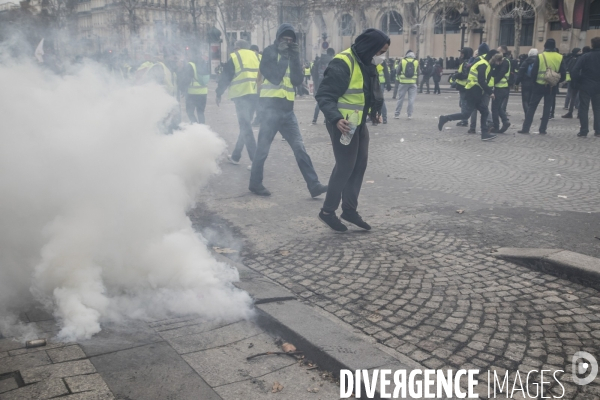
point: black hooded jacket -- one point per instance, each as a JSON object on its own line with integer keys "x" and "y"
{"x": 522, "y": 78}
{"x": 585, "y": 74}
{"x": 274, "y": 70}
{"x": 337, "y": 77}
{"x": 467, "y": 54}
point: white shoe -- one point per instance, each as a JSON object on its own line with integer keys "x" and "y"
{"x": 396, "y": 117}
{"x": 249, "y": 167}
{"x": 410, "y": 117}
{"x": 232, "y": 161}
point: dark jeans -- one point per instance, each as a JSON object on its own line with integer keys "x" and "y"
{"x": 284, "y": 122}
{"x": 244, "y": 107}
{"x": 396, "y": 84}
{"x": 436, "y": 87}
{"x": 195, "y": 103}
{"x": 539, "y": 92}
{"x": 424, "y": 80}
{"x": 350, "y": 166}
{"x": 526, "y": 97}
{"x": 317, "y": 110}
{"x": 383, "y": 106}
{"x": 574, "y": 98}
{"x": 470, "y": 104}
{"x": 584, "y": 107}
{"x": 461, "y": 100}
{"x": 486, "y": 101}
{"x": 498, "y": 112}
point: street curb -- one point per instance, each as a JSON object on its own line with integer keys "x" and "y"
{"x": 332, "y": 345}
{"x": 575, "y": 267}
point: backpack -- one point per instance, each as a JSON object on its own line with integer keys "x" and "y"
{"x": 551, "y": 77}
{"x": 409, "y": 70}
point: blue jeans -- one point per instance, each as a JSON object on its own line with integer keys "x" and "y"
{"x": 285, "y": 122}
{"x": 244, "y": 107}
{"x": 383, "y": 107}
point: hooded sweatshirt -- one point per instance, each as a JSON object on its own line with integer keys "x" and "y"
{"x": 466, "y": 66}
{"x": 274, "y": 70}
{"x": 337, "y": 77}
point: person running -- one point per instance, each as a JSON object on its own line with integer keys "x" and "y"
{"x": 461, "y": 76}
{"x": 282, "y": 71}
{"x": 548, "y": 60}
{"x": 351, "y": 86}
{"x": 476, "y": 89}
{"x": 407, "y": 75}
{"x": 240, "y": 74}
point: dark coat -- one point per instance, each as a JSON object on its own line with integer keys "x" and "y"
{"x": 274, "y": 70}
{"x": 337, "y": 77}
{"x": 585, "y": 73}
{"x": 522, "y": 78}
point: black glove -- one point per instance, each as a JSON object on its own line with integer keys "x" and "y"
{"x": 283, "y": 48}
{"x": 294, "y": 49}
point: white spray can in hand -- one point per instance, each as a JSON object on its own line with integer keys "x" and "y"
{"x": 345, "y": 139}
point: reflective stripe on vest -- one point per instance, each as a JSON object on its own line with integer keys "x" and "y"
{"x": 196, "y": 87}
{"x": 504, "y": 81}
{"x": 353, "y": 99}
{"x": 381, "y": 73}
{"x": 472, "y": 80}
{"x": 402, "y": 78}
{"x": 246, "y": 65}
{"x": 461, "y": 82}
{"x": 284, "y": 90}
{"x": 554, "y": 61}
{"x": 306, "y": 71}
{"x": 169, "y": 79}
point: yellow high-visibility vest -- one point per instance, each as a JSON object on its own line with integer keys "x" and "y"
{"x": 353, "y": 99}
{"x": 285, "y": 89}
{"x": 554, "y": 61}
{"x": 402, "y": 77}
{"x": 196, "y": 87}
{"x": 246, "y": 65}
{"x": 306, "y": 71}
{"x": 381, "y": 73}
{"x": 472, "y": 80}
{"x": 503, "y": 83}
{"x": 461, "y": 82}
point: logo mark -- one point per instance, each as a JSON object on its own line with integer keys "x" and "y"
{"x": 583, "y": 362}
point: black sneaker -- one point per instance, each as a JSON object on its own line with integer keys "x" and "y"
{"x": 462, "y": 123}
{"x": 524, "y": 132}
{"x": 488, "y": 137}
{"x": 260, "y": 190}
{"x": 472, "y": 131}
{"x": 332, "y": 221}
{"x": 542, "y": 132}
{"x": 581, "y": 134}
{"x": 504, "y": 127}
{"x": 355, "y": 219}
{"x": 442, "y": 120}
{"x": 318, "y": 190}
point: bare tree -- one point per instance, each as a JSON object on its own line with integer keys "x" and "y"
{"x": 416, "y": 15}
{"x": 264, "y": 15}
{"x": 195, "y": 11}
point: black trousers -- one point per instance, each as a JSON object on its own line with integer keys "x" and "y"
{"x": 244, "y": 107}
{"x": 498, "y": 111}
{"x": 436, "y": 87}
{"x": 195, "y": 104}
{"x": 539, "y": 92}
{"x": 584, "y": 108}
{"x": 574, "y": 93}
{"x": 424, "y": 80}
{"x": 350, "y": 166}
{"x": 525, "y": 97}
{"x": 473, "y": 102}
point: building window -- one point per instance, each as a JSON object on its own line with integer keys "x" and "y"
{"x": 393, "y": 21}
{"x": 555, "y": 26}
{"x": 452, "y": 21}
{"x": 347, "y": 27}
{"x": 507, "y": 24}
{"x": 594, "y": 15}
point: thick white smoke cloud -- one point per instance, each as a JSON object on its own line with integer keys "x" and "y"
{"x": 93, "y": 202}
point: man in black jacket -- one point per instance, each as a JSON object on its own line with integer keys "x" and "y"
{"x": 461, "y": 76}
{"x": 281, "y": 69}
{"x": 478, "y": 93}
{"x": 586, "y": 78}
{"x": 501, "y": 75}
{"x": 351, "y": 159}
{"x": 572, "y": 97}
{"x": 526, "y": 79}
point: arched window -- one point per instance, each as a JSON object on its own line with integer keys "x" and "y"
{"x": 347, "y": 25}
{"x": 594, "y": 15}
{"x": 452, "y": 21}
{"x": 508, "y": 15}
{"x": 391, "y": 23}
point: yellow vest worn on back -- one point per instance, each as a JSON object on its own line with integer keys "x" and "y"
{"x": 246, "y": 65}
{"x": 472, "y": 80}
{"x": 353, "y": 99}
{"x": 284, "y": 90}
{"x": 554, "y": 61}
{"x": 402, "y": 78}
{"x": 461, "y": 82}
{"x": 196, "y": 87}
{"x": 503, "y": 83}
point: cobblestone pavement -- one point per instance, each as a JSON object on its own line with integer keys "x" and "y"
{"x": 423, "y": 281}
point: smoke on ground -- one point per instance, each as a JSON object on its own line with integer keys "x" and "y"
{"x": 93, "y": 213}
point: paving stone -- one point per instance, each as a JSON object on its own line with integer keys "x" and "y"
{"x": 23, "y": 361}
{"x": 61, "y": 370}
{"x": 215, "y": 338}
{"x": 87, "y": 383}
{"x": 7, "y": 384}
{"x": 68, "y": 353}
{"x": 46, "y": 389}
